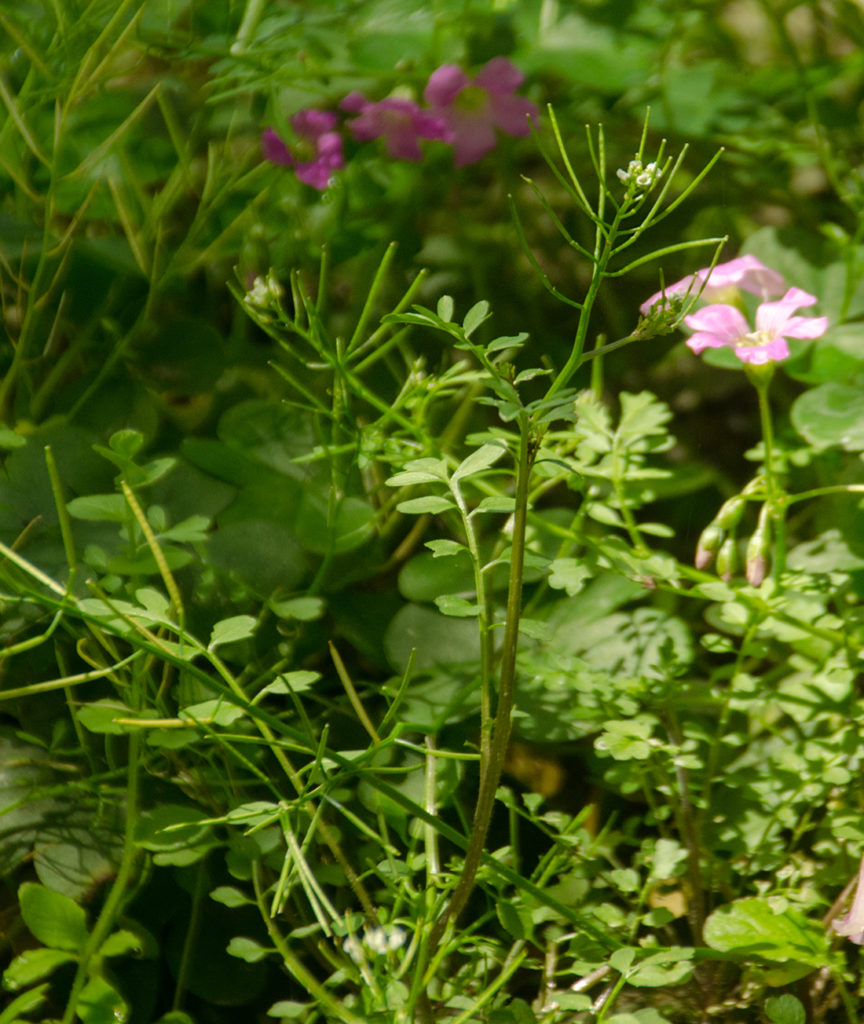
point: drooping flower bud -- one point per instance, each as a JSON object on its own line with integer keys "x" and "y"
{"x": 758, "y": 549}
{"x": 727, "y": 559}
{"x": 730, "y": 513}
{"x": 709, "y": 542}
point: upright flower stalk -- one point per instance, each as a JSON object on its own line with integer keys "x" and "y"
{"x": 723, "y": 325}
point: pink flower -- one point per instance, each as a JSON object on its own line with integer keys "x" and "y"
{"x": 316, "y": 139}
{"x": 745, "y": 272}
{"x": 400, "y": 121}
{"x": 852, "y": 924}
{"x": 721, "y": 325}
{"x": 473, "y": 110}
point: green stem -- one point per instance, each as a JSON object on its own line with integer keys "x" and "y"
{"x": 111, "y": 908}
{"x": 490, "y": 767}
{"x": 484, "y": 623}
{"x": 773, "y": 489}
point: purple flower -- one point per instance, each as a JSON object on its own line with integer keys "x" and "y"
{"x": 721, "y": 325}
{"x": 745, "y": 272}
{"x": 852, "y": 924}
{"x": 473, "y": 110}
{"x": 317, "y": 139}
{"x": 400, "y": 121}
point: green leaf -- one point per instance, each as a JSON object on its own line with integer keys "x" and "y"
{"x": 287, "y": 1009}
{"x": 627, "y": 740}
{"x": 99, "y": 1003}
{"x": 785, "y": 1009}
{"x": 750, "y": 926}
{"x": 507, "y": 341}
{"x": 52, "y": 918}
{"x": 303, "y": 609}
{"x": 247, "y": 949}
{"x": 445, "y": 307}
{"x": 230, "y": 897}
{"x": 9, "y": 439}
{"x": 568, "y": 574}
{"x": 33, "y": 964}
{"x": 477, "y": 461}
{"x": 213, "y": 712}
{"x": 445, "y": 548}
{"x": 99, "y": 716}
{"x": 497, "y": 503}
{"x": 431, "y": 505}
{"x": 831, "y": 414}
{"x": 458, "y": 607}
{"x": 108, "y": 508}
{"x": 24, "y": 1004}
{"x": 293, "y": 682}
{"x": 475, "y": 316}
{"x": 238, "y": 627}
{"x": 121, "y": 943}
{"x": 425, "y": 577}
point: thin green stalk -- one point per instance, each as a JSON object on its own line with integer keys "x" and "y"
{"x": 293, "y": 965}
{"x": 484, "y": 624}
{"x": 773, "y": 489}
{"x": 490, "y": 770}
{"x": 111, "y": 909}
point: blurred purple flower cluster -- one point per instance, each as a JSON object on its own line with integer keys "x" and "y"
{"x": 460, "y": 112}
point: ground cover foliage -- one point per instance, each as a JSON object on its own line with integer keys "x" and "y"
{"x": 405, "y": 617}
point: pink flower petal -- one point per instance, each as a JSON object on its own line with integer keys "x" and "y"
{"x": 312, "y": 123}
{"x": 274, "y": 149}
{"x": 499, "y": 76}
{"x": 444, "y": 85}
{"x": 510, "y": 114}
{"x": 747, "y": 273}
{"x": 773, "y": 317}
{"x": 354, "y": 102}
{"x": 852, "y": 924}
{"x": 757, "y": 355}
{"x": 725, "y": 323}
{"x": 473, "y": 138}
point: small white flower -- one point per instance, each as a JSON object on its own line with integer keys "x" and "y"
{"x": 354, "y": 949}
{"x": 644, "y": 177}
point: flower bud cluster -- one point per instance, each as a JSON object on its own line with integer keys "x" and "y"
{"x": 718, "y": 542}
{"x": 375, "y": 941}
{"x": 643, "y": 177}
{"x": 265, "y": 294}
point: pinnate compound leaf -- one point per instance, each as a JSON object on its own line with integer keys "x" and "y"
{"x": 53, "y": 918}
{"x": 431, "y": 505}
{"x": 238, "y": 627}
{"x": 32, "y": 965}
